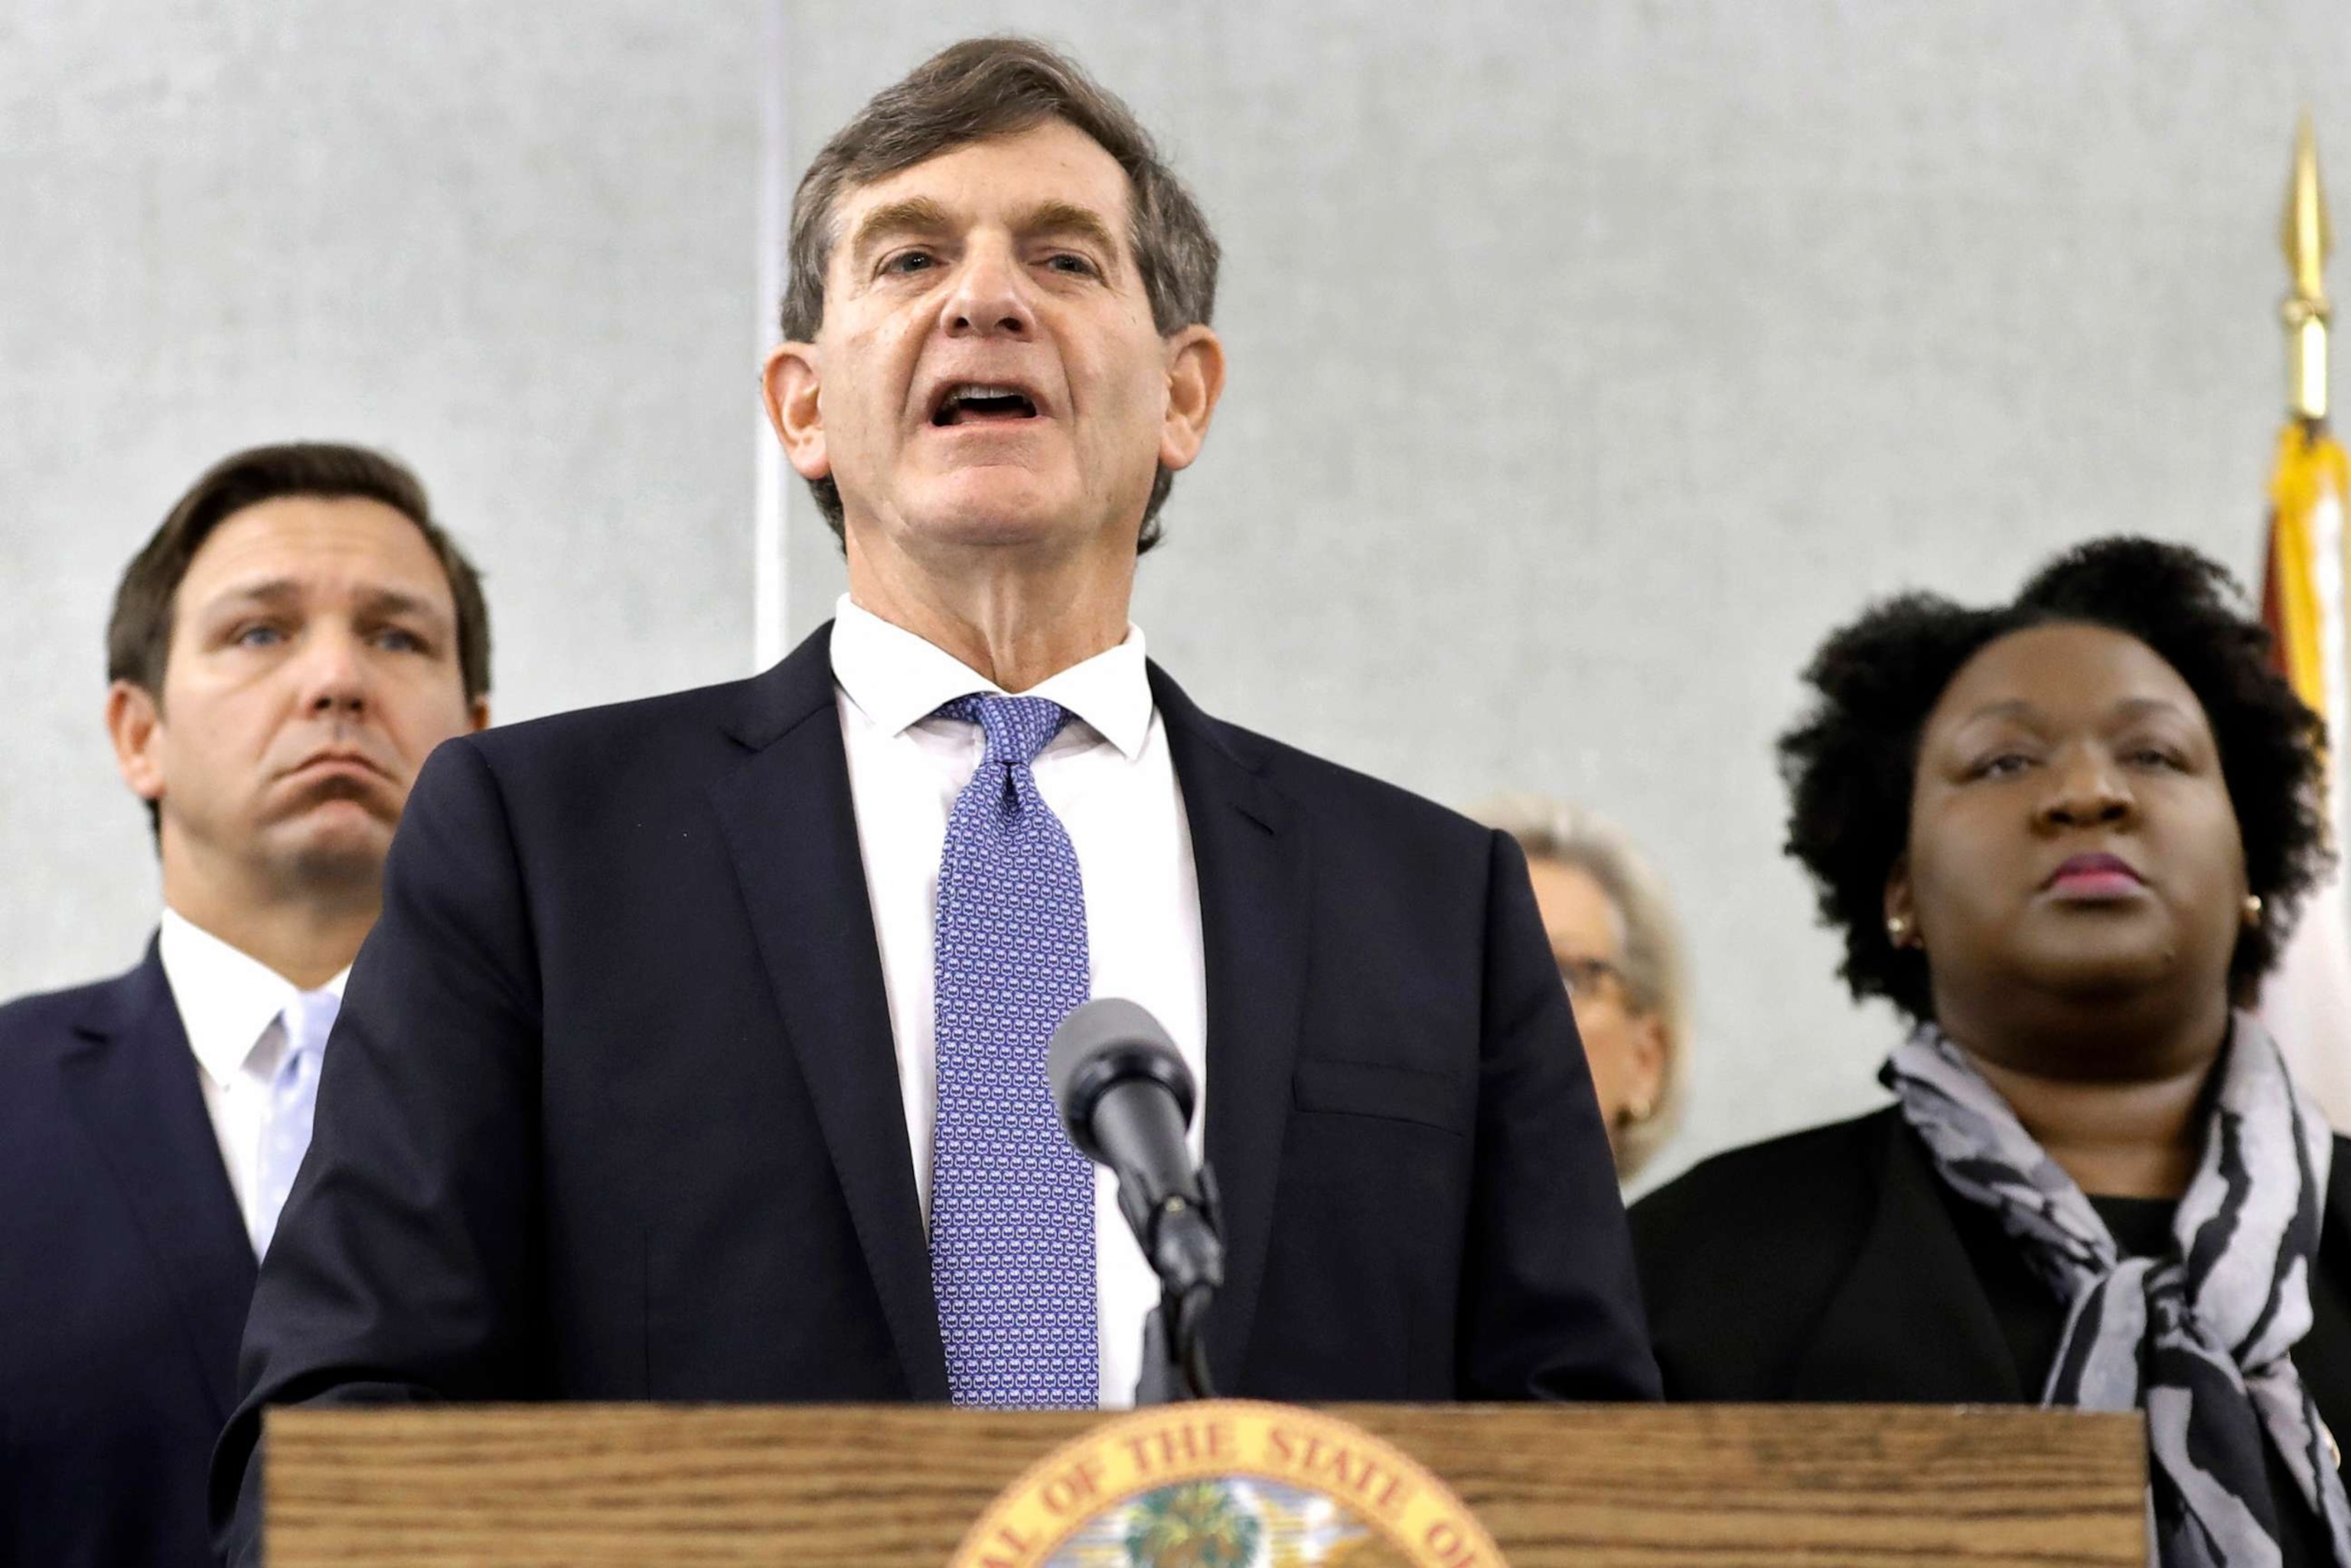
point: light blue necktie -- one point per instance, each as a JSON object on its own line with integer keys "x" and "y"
{"x": 293, "y": 1097}
{"x": 1013, "y": 1204}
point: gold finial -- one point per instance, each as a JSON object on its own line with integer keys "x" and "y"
{"x": 2306, "y": 238}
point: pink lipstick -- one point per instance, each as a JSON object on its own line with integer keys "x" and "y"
{"x": 2095, "y": 878}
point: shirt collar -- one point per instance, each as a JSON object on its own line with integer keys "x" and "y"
{"x": 898, "y": 679}
{"x": 226, "y": 997}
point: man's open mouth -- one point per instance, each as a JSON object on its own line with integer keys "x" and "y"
{"x": 977, "y": 403}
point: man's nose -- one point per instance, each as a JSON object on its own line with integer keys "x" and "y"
{"x": 2086, "y": 789}
{"x": 334, "y": 674}
{"x": 989, "y": 299}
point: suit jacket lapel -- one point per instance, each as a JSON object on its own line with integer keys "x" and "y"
{"x": 131, "y": 1082}
{"x": 1911, "y": 1322}
{"x": 791, "y": 827}
{"x": 1250, "y": 852}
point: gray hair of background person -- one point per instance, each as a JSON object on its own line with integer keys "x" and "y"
{"x": 1654, "y": 973}
{"x": 998, "y": 87}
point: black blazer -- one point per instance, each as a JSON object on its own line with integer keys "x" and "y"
{"x": 1830, "y": 1265}
{"x": 612, "y": 1110}
{"x": 124, "y": 1274}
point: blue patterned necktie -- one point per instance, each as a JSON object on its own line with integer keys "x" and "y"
{"x": 1013, "y": 1204}
{"x": 293, "y": 1097}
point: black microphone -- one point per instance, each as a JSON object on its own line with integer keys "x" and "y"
{"x": 1126, "y": 1098}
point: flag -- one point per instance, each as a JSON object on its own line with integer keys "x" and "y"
{"x": 2306, "y": 1002}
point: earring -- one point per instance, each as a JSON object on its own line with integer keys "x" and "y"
{"x": 2253, "y": 909}
{"x": 1897, "y": 929}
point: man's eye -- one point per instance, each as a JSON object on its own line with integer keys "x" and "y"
{"x": 2000, "y": 765}
{"x": 257, "y": 636}
{"x": 399, "y": 640}
{"x": 1075, "y": 265}
{"x": 2156, "y": 757}
{"x": 909, "y": 261}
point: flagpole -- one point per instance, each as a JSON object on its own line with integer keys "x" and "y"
{"x": 2307, "y": 239}
{"x": 2307, "y": 998}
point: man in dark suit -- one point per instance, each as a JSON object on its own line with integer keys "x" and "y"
{"x": 284, "y": 652}
{"x": 698, "y": 1054}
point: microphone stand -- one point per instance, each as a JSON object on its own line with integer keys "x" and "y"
{"x": 1187, "y": 1251}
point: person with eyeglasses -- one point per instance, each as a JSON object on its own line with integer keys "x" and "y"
{"x": 1619, "y": 950}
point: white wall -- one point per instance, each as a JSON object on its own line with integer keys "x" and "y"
{"x": 1589, "y": 361}
{"x": 515, "y": 244}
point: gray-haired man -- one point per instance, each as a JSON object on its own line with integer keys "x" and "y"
{"x": 699, "y": 1054}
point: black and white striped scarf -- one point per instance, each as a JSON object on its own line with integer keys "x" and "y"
{"x": 2199, "y": 1338}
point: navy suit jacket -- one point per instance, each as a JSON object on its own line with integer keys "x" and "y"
{"x": 124, "y": 1276}
{"x": 612, "y": 1110}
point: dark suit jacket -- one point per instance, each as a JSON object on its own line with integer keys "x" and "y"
{"x": 1831, "y": 1265}
{"x": 612, "y": 1109}
{"x": 124, "y": 1275}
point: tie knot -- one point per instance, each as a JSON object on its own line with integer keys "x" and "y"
{"x": 1017, "y": 728}
{"x": 309, "y": 1018}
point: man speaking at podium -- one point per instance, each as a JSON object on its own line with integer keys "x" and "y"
{"x": 698, "y": 1054}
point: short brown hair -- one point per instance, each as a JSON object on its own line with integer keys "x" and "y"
{"x": 139, "y": 635}
{"x": 971, "y": 91}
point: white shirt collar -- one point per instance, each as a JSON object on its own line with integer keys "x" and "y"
{"x": 898, "y": 680}
{"x": 226, "y": 998}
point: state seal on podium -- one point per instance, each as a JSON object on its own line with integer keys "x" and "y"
{"x": 1227, "y": 1483}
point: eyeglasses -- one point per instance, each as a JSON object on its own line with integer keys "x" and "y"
{"x": 1586, "y": 976}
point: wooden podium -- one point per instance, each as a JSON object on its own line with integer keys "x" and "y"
{"x": 501, "y": 1487}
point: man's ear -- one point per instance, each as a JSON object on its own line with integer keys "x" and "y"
{"x": 790, "y": 383}
{"x": 1195, "y": 380}
{"x": 134, "y": 721}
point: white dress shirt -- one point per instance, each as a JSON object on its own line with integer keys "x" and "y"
{"x": 1108, "y": 778}
{"x": 229, "y": 1004}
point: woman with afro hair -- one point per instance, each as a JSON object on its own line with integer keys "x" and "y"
{"x": 2065, "y": 837}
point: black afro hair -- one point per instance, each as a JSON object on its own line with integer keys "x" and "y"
{"x": 1851, "y": 764}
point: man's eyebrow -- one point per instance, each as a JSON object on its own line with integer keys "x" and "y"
{"x": 1069, "y": 219}
{"x": 914, "y": 214}
{"x": 399, "y": 601}
{"x": 275, "y": 592}
{"x": 921, "y": 214}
